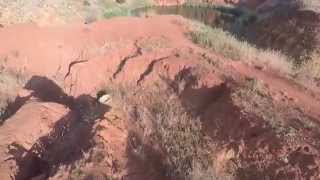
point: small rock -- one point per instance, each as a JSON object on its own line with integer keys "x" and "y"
{"x": 105, "y": 99}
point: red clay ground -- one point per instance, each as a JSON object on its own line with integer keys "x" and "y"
{"x": 260, "y": 124}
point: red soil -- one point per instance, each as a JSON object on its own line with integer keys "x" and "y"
{"x": 68, "y": 64}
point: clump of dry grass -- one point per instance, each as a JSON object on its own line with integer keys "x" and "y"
{"x": 253, "y": 98}
{"x": 165, "y": 126}
{"x": 229, "y": 46}
{"x": 178, "y": 134}
{"x": 311, "y": 69}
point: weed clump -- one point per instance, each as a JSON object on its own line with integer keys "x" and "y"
{"x": 163, "y": 128}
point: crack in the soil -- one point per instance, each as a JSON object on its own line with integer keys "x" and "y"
{"x": 71, "y": 65}
{"x": 123, "y": 62}
{"x": 150, "y": 68}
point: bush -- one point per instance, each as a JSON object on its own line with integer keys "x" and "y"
{"x": 310, "y": 70}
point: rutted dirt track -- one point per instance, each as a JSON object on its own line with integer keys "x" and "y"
{"x": 52, "y": 126}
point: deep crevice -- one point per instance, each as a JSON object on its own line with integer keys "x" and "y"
{"x": 150, "y": 69}
{"x": 71, "y": 65}
{"x": 123, "y": 62}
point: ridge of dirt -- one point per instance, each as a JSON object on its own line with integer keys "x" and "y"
{"x": 72, "y": 64}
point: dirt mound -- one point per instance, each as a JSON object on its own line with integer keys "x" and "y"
{"x": 255, "y": 122}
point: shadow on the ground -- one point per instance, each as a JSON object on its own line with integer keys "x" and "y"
{"x": 144, "y": 160}
{"x": 43, "y": 89}
{"x": 68, "y": 140}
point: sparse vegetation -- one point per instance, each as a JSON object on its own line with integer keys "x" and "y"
{"x": 310, "y": 70}
{"x": 179, "y": 136}
{"x": 254, "y": 100}
{"x": 170, "y": 130}
{"x": 229, "y": 46}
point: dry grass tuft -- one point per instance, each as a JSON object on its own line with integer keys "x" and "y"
{"x": 178, "y": 135}
{"x": 311, "y": 68}
{"x": 162, "y": 124}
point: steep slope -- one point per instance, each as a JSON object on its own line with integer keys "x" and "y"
{"x": 286, "y": 27}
